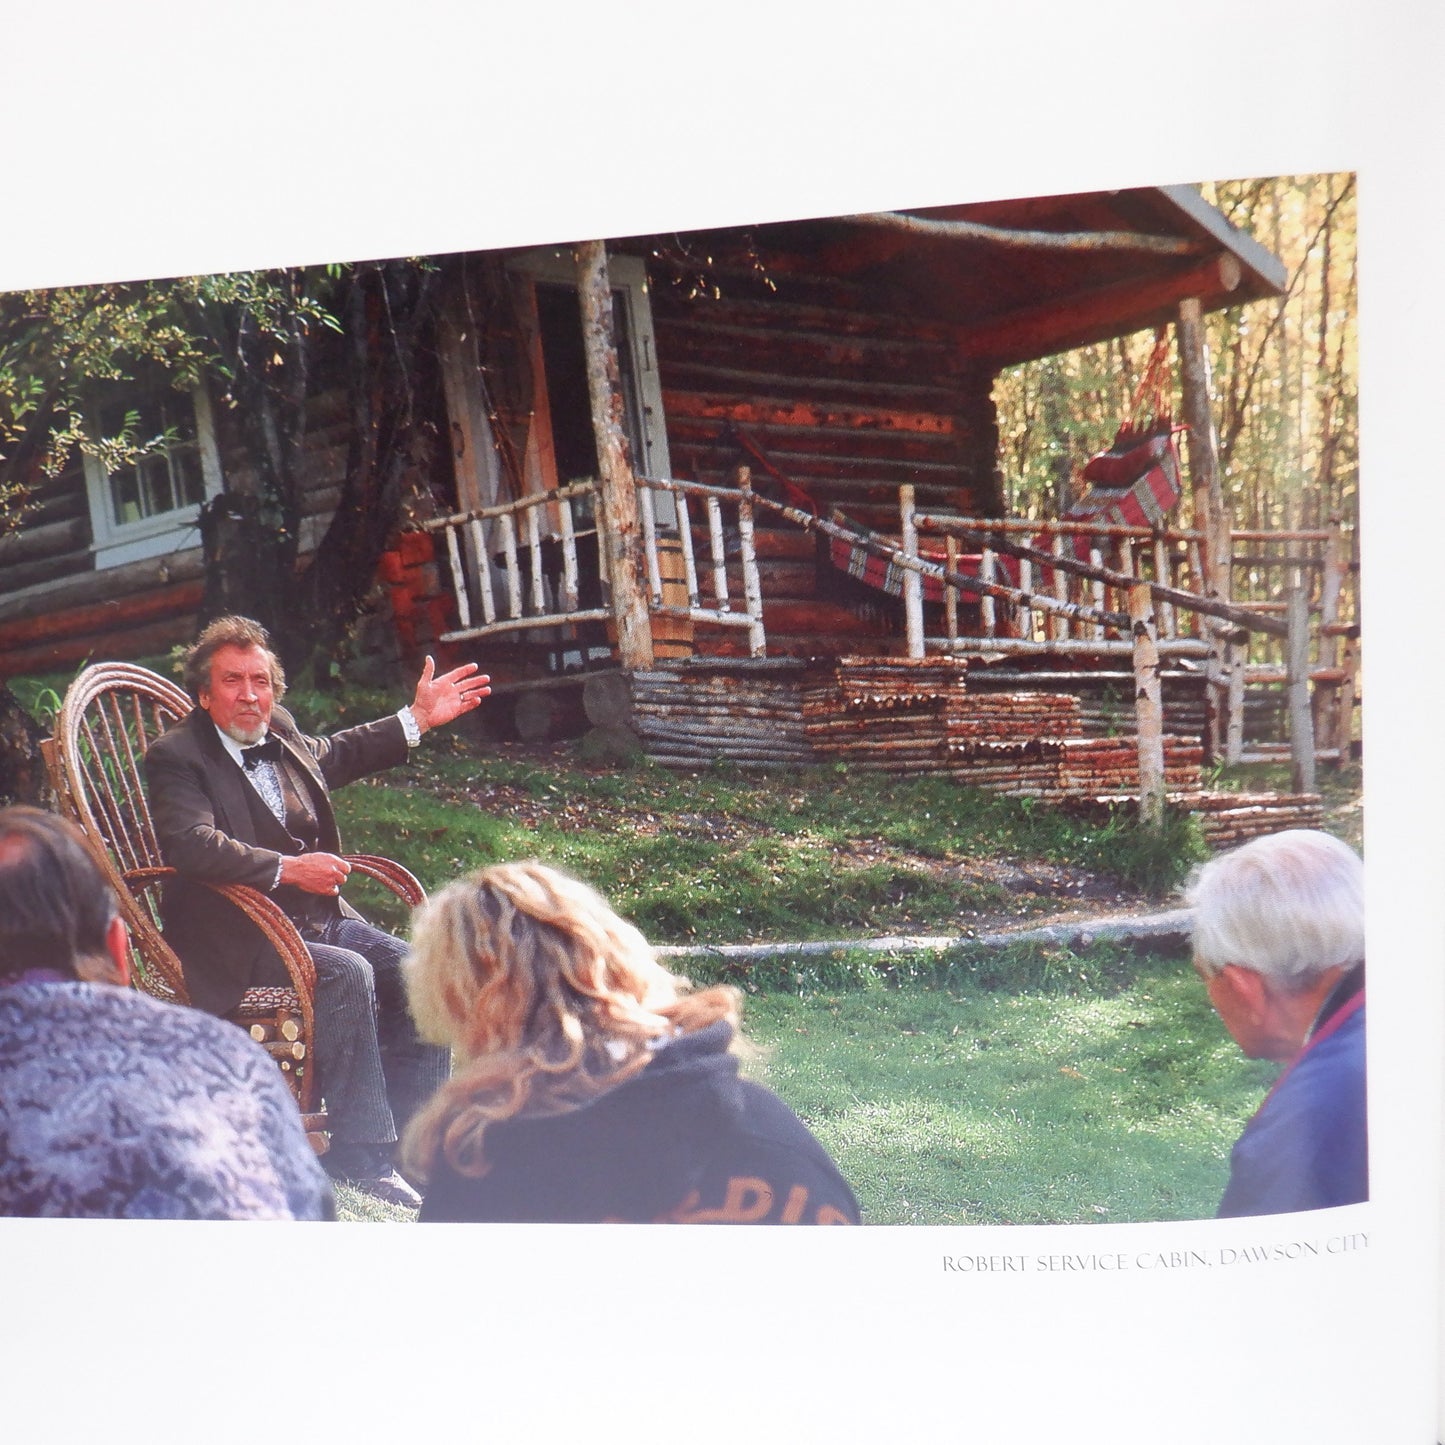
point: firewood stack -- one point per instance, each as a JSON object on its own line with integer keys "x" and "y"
{"x": 917, "y": 717}
{"x": 685, "y": 720}
{"x": 884, "y": 714}
{"x": 1229, "y": 819}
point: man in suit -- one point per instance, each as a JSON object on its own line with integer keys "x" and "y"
{"x": 240, "y": 795}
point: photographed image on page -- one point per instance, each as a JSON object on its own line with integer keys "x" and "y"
{"x": 1049, "y": 501}
{"x": 933, "y": 501}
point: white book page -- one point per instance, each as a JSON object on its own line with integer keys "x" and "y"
{"x": 159, "y": 139}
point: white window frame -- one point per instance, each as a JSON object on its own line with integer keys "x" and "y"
{"x": 116, "y": 543}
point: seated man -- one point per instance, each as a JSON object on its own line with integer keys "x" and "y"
{"x": 240, "y": 795}
{"x": 112, "y": 1104}
{"x": 1279, "y": 939}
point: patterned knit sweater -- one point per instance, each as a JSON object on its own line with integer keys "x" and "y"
{"x": 115, "y": 1105}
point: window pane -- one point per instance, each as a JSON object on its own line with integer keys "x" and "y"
{"x": 125, "y": 496}
{"x": 169, "y": 479}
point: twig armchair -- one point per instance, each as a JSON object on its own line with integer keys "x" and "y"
{"x": 111, "y": 714}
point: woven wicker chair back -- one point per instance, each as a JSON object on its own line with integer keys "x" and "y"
{"x": 111, "y": 714}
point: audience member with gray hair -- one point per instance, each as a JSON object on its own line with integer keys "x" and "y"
{"x": 1279, "y": 940}
{"x": 113, "y": 1104}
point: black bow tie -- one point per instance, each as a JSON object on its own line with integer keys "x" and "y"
{"x": 268, "y": 751}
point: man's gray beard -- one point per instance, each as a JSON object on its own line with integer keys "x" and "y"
{"x": 247, "y": 737}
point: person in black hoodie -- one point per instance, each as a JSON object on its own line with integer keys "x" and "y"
{"x": 590, "y": 1085}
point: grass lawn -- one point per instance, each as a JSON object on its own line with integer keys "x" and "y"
{"x": 1088, "y": 1089}
{"x": 961, "y": 1105}
{"x": 1036, "y": 1087}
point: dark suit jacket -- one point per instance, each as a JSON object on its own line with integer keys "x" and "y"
{"x": 213, "y": 826}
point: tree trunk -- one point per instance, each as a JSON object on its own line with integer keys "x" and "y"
{"x": 22, "y": 773}
{"x": 618, "y": 489}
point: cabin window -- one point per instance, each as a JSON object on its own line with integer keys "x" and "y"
{"x": 150, "y": 507}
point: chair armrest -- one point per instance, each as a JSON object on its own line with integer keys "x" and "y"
{"x": 279, "y": 930}
{"x": 401, "y": 882}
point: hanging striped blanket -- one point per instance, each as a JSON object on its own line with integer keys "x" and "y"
{"x": 1136, "y": 483}
{"x": 887, "y": 576}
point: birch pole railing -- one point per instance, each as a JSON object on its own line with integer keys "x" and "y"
{"x": 506, "y": 577}
{"x": 506, "y": 547}
{"x": 1243, "y": 621}
{"x": 718, "y": 608}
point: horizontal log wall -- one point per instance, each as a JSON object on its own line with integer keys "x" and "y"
{"x": 847, "y": 399}
{"x": 57, "y": 611}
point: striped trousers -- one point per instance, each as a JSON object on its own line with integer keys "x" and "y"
{"x": 372, "y": 1069}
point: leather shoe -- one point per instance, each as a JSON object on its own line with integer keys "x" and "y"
{"x": 369, "y": 1168}
{"x": 390, "y": 1188}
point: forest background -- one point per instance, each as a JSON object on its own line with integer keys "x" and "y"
{"x": 1285, "y": 375}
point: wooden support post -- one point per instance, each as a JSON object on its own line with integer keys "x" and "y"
{"x": 1297, "y": 672}
{"x": 1206, "y": 487}
{"x": 1148, "y": 707}
{"x": 617, "y": 492}
{"x": 1059, "y": 627}
{"x": 950, "y": 592}
{"x": 912, "y": 582}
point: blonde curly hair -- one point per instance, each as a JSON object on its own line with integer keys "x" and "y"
{"x": 547, "y": 998}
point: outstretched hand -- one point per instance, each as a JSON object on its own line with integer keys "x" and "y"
{"x": 440, "y": 699}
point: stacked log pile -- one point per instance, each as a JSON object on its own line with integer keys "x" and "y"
{"x": 884, "y": 714}
{"x": 1003, "y": 765}
{"x": 1229, "y": 819}
{"x": 1226, "y": 819}
{"x": 687, "y": 719}
{"x": 1106, "y": 765}
{"x": 918, "y": 717}
{"x": 1014, "y": 716}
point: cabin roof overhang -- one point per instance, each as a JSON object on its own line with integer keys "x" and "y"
{"x": 1026, "y": 278}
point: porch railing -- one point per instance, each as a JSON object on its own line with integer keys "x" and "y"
{"x": 527, "y": 564}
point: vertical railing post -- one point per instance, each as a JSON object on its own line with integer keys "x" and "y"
{"x": 1297, "y": 682}
{"x": 912, "y": 582}
{"x": 459, "y": 580}
{"x": 1148, "y": 707}
{"x": 649, "y": 541}
{"x": 950, "y": 592}
{"x": 748, "y": 560}
{"x": 1059, "y": 625}
{"x": 987, "y": 606}
{"x": 1236, "y": 661}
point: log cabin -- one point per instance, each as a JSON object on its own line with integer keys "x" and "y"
{"x": 604, "y": 402}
